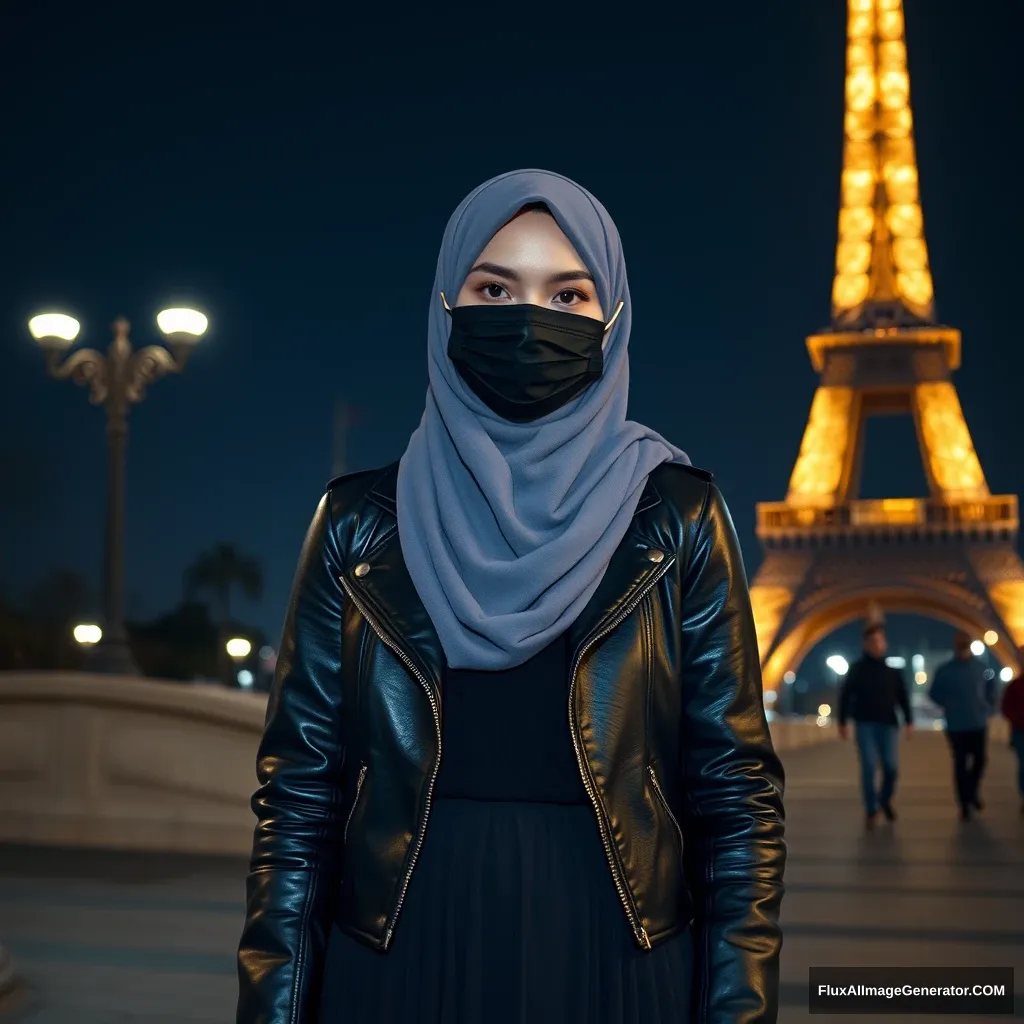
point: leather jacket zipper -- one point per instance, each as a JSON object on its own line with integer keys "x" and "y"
{"x": 428, "y": 689}
{"x": 355, "y": 801}
{"x": 664, "y": 803}
{"x": 624, "y": 895}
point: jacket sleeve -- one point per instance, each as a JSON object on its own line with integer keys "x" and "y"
{"x": 848, "y": 694}
{"x": 992, "y": 694}
{"x": 904, "y": 697}
{"x": 297, "y": 845}
{"x": 733, "y": 782}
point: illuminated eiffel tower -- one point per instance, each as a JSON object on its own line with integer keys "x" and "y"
{"x": 951, "y": 555}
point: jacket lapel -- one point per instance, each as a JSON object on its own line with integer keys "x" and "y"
{"x": 390, "y": 594}
{"x": 635, "y": 561}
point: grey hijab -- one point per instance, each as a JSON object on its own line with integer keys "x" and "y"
{"x": 507, "y": 528}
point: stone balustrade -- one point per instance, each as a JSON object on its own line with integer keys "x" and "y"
{"x": 124, "y": 763}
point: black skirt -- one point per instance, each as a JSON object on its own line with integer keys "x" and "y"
{"x": 511, "y": 917}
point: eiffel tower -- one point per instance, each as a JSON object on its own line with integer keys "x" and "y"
{"x": 951, "y": 555}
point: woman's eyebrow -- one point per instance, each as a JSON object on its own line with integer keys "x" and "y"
{"x": 510, "y": 275}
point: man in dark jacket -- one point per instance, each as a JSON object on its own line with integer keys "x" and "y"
{"x": 968, "y": 701}
{"x": 869, "y": 697}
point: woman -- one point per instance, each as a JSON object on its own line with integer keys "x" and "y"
{"x": 516, "y": 765}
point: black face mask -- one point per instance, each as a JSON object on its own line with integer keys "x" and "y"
{"x": 523, "y": 361}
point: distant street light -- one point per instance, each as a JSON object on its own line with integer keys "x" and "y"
{"x": 88, "y": 634}
{"x": 824, "y": 710}
{"x": 977, "y": 648}
{"x": 991, "y": 638}
{"x": 117, "y": 381}
{"x": 238, "y": 648}
{"x": 1006, "y": 674}
{"x": 838, "y": 664}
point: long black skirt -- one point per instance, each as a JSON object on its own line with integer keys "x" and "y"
{"x": 511, "y": 917}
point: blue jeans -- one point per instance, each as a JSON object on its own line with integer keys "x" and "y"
{"x": 1017, "y": 742}
{"x": 876, "y": 748}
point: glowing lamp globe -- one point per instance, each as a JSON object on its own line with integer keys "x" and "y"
{"x": 54, "y": 330}
{"x": 238, "y": 647}
{"x": 87, "y": 634}
{"x": 182, "y": 325}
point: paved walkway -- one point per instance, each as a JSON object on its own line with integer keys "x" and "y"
{"x": 123, "y": 939}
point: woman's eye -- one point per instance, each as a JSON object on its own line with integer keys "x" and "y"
{"x": 570, "y": 297}
{"x": 493, "y": 290}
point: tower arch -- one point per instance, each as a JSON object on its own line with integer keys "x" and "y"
{"x": 799, "y": 638}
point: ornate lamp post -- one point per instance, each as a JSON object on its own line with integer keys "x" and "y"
{"x": 116, "y": 381}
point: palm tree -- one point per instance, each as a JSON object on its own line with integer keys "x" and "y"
{"x": 218, "y": 572}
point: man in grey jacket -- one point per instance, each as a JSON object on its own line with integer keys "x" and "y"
{"x": 968, "y": 700}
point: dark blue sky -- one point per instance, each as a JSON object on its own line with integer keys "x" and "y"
{"x": 293, "y": 172}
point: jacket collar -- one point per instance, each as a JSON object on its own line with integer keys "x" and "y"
{"x": 391, "y": 597}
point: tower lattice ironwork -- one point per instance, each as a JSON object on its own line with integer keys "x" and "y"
{"x": 953, "y": 554}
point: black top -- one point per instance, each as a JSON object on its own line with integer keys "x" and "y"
{"x": 488, "y": 753}
{"x": 872, "y": 692}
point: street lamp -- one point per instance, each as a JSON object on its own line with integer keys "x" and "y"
{"x": 117, "y": 381}
{"x": 87, "y": 634}
{"x": 238, "y": 648}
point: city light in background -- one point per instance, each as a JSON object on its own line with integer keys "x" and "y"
{"x": 238, "y": 647}
{"x": 919, "y": 668}
{"x": 838, "y": 664}
{"x": 87, "y": 634}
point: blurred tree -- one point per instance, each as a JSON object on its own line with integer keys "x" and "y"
{"x": 182, "y": 644}
{"x": 38, "y": 634}
{"x": 218, "y": 572}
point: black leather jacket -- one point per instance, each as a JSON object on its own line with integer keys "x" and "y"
{"x": 667, "y": 721}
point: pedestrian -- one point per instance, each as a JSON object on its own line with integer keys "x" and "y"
{"x": 968, "y": 700}
{"x": 1012, "y": 708}
{"x": 552, "y": 596}
{"x": 869, "y": 697}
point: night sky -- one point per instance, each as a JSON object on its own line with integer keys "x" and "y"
{"x": 291, "y": 174}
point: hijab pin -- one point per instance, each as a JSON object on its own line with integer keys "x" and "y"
{"x": 448, "y": 309}
{"x": 615, "y": 315}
